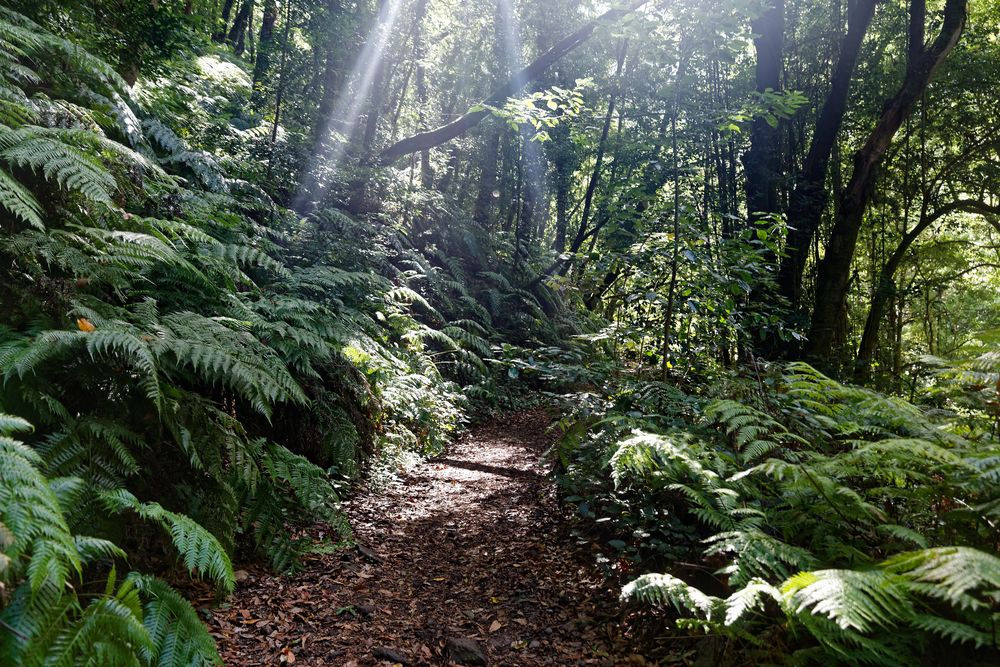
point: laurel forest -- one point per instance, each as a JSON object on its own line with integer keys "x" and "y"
{"x": 258, "y": 256}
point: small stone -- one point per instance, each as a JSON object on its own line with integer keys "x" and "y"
{"x": 465, "y": 651}
{"x": 241, "y": 576}
{"x": 392, "y": 655}
{"x": 366, "y": 610}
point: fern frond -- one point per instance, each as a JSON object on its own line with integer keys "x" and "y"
{"x": 201, "y": 551}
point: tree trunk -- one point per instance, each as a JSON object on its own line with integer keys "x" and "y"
{"x": 264, "y": 47}
{"x": 237, "y": 33}
{"x": 808, "y": 197}
{"x": 827, "y": 333}
{"x": 482, "y": 209}
{"x": 420, "y": 83}
{"x": 668, "y": 313}
{"x": 358, "y": 200}
{"x": 762, "y": 163}
{"x": 602, "y": 144}
{"x": 561, "y": 154}
{"x": 220, "y": 34}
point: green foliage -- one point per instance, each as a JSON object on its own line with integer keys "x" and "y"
{"x": 46, "y": 617}
{"x": 200, "y": 550}
{"x": 204, "y": 367}
{"x": 804, "y": 500}
{"x": 857, "y": 616}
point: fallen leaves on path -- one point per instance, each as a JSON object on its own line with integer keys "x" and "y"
{"x": 468, "y": 557}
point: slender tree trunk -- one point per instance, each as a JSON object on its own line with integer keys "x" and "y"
{"x": 264, "y": 49}
{"x": 602, "y": 145}
{"x": 562, "y": 156}
{"x": 357, "y": 199}
{"x": 808, "y": 196}
{"x": 827, "y": 333}
{"x": 482, "y": 209}
{"x": 668, "y": 313}
{"x": 237, "y": 33}
{"x": 762, "y": 163}
{"x": 282, "y": 76}
{"x": 220, "y": 34}
{"x": 420, "y": 83}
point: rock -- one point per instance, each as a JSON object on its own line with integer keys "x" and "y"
{"x": 241, "y": 575}
{"x": 466, "y": 652}
{"x": 369, "y": 554}
{"x": 366, "y": 610}
{"x": 392, "y": 655}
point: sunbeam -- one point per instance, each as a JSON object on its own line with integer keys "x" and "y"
{"x": 534, "y": 173}
{"x": 347, "y": 109}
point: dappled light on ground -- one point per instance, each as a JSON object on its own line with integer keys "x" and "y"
{"x": 469, "y": 546}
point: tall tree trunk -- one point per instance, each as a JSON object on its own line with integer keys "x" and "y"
{"x": 762, "y": 163}
{"x": 828, "y": 329}
{"x": 808, "y": 197}
{"x": 220, "y": 34}
{"x": 420, "y": 83}
{"x": 668, "y": 313}
{"x": 482, "y": 209}
{"x": 237, "y": 33}
{"x": 358, "y": 201}
{"x": 282, "y": 77}
{"x": 602, "y": 145}
{"x": 265, "y": 45}
{"x": 562, "y": 155}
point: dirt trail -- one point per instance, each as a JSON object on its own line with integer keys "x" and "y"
{"x": 471, "y": 545}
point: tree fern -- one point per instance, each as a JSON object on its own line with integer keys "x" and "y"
{"x": 20, "y": 201}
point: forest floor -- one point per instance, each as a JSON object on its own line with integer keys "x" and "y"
{"x": 467, "y": 559}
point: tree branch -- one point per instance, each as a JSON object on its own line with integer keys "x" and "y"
{"x": 438, "y": 136}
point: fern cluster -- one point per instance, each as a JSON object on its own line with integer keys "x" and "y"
{"x": 204, "y": 367}
{"x": 857, "y": 525}
{"x": 45, "y": 615}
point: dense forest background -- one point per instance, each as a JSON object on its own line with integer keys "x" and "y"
{"x": 253, "y": 252}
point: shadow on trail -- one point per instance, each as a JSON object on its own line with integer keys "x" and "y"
{"x": 513, "y": 473}
{"x": 471, "y": 546}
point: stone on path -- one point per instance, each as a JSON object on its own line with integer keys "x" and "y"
{"x": 466, "y": 652}
{"x": 392, "y": 655}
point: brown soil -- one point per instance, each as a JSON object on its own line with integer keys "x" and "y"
{"x": 470, "y": 545}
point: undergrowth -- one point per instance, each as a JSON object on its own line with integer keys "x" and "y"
{"x": 204, "y": 370}
{"x": 804, "y": 520}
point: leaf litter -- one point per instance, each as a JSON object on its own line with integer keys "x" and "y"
{"x": 468, "y": 557}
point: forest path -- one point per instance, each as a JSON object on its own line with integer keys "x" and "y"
{"x": 471, "y": 545}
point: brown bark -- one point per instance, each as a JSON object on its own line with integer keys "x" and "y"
{"x": 808, "y": 196}
{"x": 762, "y": 163}
{"x": 828, "y": 329}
